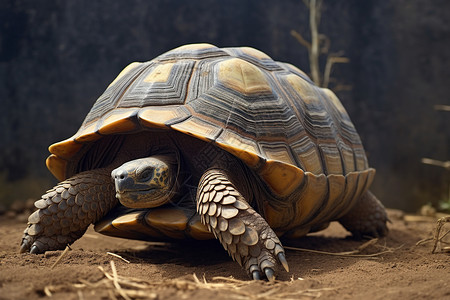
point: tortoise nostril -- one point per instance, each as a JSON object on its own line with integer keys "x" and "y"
{"x": 121, "y": 175}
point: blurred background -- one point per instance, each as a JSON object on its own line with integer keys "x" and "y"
{"x": 57, "y": 57}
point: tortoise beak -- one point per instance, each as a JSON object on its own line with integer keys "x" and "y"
{"x": 122, "y": 181}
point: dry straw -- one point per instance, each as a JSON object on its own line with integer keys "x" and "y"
{"x": 116, "y": 286}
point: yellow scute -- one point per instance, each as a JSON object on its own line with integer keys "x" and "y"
{"x": 281, "y": 177}
{"x": 245, "y": 149}
{"x": 312, "y": 198}
{"x": 57, "y": 166}
{"x": 167, "y": 218}
{"x": 117, "y": 122}
{"x": 280, "y": 154}
{"x": 304, "y": 89}
{"x": 242, "y": 76}
{"x": 160, "y": 73}
{"x": 335, "y": 100}
{"x": 198, "y": 230}
{"x": 198, "y": 128}
{"x": 65, "y": 149}
{"x": 156, "y": 117}
{"x": 87, "y": 134}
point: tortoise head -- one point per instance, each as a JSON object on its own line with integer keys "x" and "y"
{"x": 145, "y": 182}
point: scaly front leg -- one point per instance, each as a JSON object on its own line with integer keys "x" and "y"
{"x": 241, "y": 230}
{"x": 65, "y": 212}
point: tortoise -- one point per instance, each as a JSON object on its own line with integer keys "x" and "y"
{"x": 205, "y": 142}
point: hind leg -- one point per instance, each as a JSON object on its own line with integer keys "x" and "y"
{"x": 367, "y": 218}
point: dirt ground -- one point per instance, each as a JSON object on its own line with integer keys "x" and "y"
{"x": 398, "y": 268}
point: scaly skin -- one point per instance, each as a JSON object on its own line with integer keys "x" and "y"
{"x": 242, "y": 231}
{"x": 65, "y": 212}
{"x": 367, "y": 218}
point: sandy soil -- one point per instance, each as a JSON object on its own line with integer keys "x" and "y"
{"x": 156, "y": 271}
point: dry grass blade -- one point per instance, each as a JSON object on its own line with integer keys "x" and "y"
{"x": 116, "y": 282}
{"x": 60, "y": 257}
{"x": 125, "y": 281}
{"x": 118, "y": 256}
{"x": 367, "y": 244}
{"x": 91, "y": 236}
{"x": 85, "y": 283}
{"x": 231, "y": 280}
{"x": 196, "y": 279}
{"x": 47, "y": 291}
{"x": 353, "y": 253}
{"x": 120, "y": 287}
{"x": 114, "y": 286}
{"x": 105, "y": 273}
{"x": 80, "y": 295}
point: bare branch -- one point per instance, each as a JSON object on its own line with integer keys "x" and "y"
{"x": 301, "y": 40}
{"x": 314, "y": 55}
{"x": 330, "y": 61}
{"x": 434, "y": 162}
{"x": 442, "y": 107}
{"x": 320, "y": 44}
{"x": 319, "y": 10}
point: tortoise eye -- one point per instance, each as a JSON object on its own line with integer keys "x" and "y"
{"x": 146, "y": 175}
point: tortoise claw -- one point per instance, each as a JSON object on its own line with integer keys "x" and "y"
{"x": 283, "y": 261}
{"x": 25, "y": 246}
{"x": 256, "y": 275}
{"x": 269, "y": 274}
{"x": 34, "y": 250}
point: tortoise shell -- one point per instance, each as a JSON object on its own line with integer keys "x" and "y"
{"x": 269, "y": 114}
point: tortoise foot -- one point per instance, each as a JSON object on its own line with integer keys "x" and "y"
{"x": 39, "y": 244}
{"x": 242, "y": 231}
{"x": 367, "y": 218}
{"x": 64, "y": 213}
{"x": 263, "y": 258}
